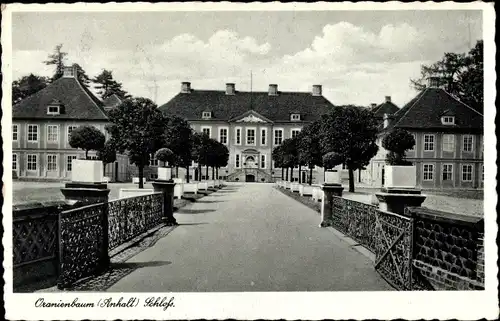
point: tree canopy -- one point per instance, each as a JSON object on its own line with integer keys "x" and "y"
{"x": 461, "y": 74}
{"x": 87, "y": 138}
{"x": 107, "y": 86}
{"x": 57, "y": 58}
{"x": 351, "y": 132}
{"x": 137, "y": 127}
{"x": 27, "y": 86}
{"x": 309, "y": 149}
{"x": 164, "y": 155}
{"x": 178, "y": 138}
{"x": 397, "y": 142}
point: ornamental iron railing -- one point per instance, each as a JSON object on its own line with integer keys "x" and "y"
{"x": 129, "y": 217}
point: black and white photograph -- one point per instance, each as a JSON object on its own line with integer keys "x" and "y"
{"x": 271, "y": 160}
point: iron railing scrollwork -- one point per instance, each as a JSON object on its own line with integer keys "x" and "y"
{"x": 129, "y": 217}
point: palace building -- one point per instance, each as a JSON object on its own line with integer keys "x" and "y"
{"x": 449, "y": 141}
{"x": 42, "y": 124}
{"x": 251, "y": 124}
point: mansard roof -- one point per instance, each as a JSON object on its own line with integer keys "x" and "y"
{"x": 426, "y": 109}
{"x": 276, "y": 108}
{"x": 79, "y": 103}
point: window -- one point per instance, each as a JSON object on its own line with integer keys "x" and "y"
{"x": 53, "y": 110}
{"x": 295, "y": 132}
{"x": 467, "y": 173}
{"x": 206, "y": 115}
{"x": 238, "y": 136}
{"x": 428, "y": 172}
{"x": 278, "y": 136}
{"x": 32, "y": 133}
{"x": 15, "y": 132}
{"x": 467, "y": 143}
{"x": 31, "y": 162}
{"x": 429, "y": 143}
{"x": 448, "y": 120}
{"x": 263, "y": 136}
{"x": 237, "y": 163}
{"x": 206, "y": 131}
{"x": 250, "y": 136}
{"x": 448, "y": 143}
{"x": 411, "y": 149}
{"x": 69, "y": 164}
{"x": 14, "y": 162}
{"x": 52, "y": 133}
{"x": 295, "y": 117}
{"x": 152, "y": 160}
{"x": 70, "y": 130}
{"x": 223, "y": 135}
{"x": 447, "y": 172}
{"x": 263, "y": 161}
{"x": 51, "y": 162}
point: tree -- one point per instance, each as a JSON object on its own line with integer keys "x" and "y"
{"x": 87, "y": 138}
{"x": 351, "y": 132}
{"x": 137, "y": 127}
{"x": 164, "y": 155}
{"x": 218, "y": 157}
{"x": 107, "y": 154}
{"x": 82, "y": 75}
{"x": 460, "y": 74}
{"x": 331, "y": 159}
{"x": 397, "y": 142}
{"x": 57, "y": 58}
{"x": 27, "y": 86}
{"x": 278, "y": 158}
{"x": 107, "y": 86}
{"x": 202, "y": 151}
{"x": 290, "y": 157}
{"x": 178, "y": 137}
{"x": 309, "y": 151}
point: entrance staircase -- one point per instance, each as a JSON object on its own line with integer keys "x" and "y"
{"x": 240, "y": 175}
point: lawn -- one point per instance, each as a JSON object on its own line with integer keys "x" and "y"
{"x": 25, "y": 192}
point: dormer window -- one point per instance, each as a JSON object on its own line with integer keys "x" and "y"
{"x": 206, "y": 115}
{"x": 55, "y": 108}
{"x": 295, "y": 117}
{"x": 448, "y": 120}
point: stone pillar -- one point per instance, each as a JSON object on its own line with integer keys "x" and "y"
{"x": 167, "y": 188}
{"x": 329, "y": 190}
{"x": 395, "y": 200}
{"x": 80, "y": 194}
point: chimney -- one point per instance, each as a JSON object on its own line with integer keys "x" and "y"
{"x": 373, "y": 105}
{"x": 387, "y": 120}
{"x": 70, "y": 71}
{"x": 273, "y": 90}
{"x": 230, "y": 89}
{"x": 316, "y": 90}
{"x": 185, "y": 87}
{"x": 387, "y": 99}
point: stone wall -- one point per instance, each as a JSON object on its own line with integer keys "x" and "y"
{"x": 448, "y": 250}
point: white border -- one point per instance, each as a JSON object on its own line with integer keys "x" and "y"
{"x": 291, "y": 305}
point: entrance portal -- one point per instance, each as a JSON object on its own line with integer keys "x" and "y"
{"x": 250, "y": 178}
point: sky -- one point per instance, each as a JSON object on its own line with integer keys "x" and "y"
{"x": 359, "y": 57}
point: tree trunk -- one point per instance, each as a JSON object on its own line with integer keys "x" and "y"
{"x": 187, "y": 176}
{"x": 177, "y": 171}
{"x": 86, "y": 154}
{"x": 141, "y": 175}
{"x": 199, "y": 172}
{"x": 286, "y": 178}
{"x": 206, "y": 172}
{"x": 217, "y": 173}
{"x": 300, "y": 174}
{"x": 213, "y": 173}
{"x": 282, "y": 173}
{"x": 103, "y": 169}
{"x": 291, "y": 174}
{"x": 310, "y": 175}
{"x": 351, "y": 181}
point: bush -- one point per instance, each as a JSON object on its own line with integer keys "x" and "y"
{"x": 87, "y": 138}
{"x": 164, "y": 155}
{"x": 397, "y": 142}
{"x": 332, "y": 159}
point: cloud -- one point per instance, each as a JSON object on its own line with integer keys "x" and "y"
{"x": 354, "y": 65}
